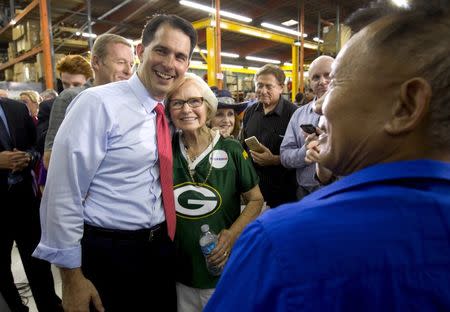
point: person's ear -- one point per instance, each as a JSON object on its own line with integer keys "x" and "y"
{"x": 95, "y": 62}
{"x": 140, "y": 51}
{"x": 411, "y": 107}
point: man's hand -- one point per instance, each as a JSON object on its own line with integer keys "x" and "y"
{"x": 78, "y": 292}
{"x": 14, "y": 160}
{"x": 46, "y": 158}
{"x": 265, "y": 158}
{"x": 312, "y": 150}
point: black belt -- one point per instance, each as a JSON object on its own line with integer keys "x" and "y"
{"x": 147, "y": 235}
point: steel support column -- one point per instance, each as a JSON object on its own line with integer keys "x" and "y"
{"x": 302, "y": 47}
{"x": 218, "y": 48}
{"x": 294, "y": 72}
{"x": 211, "y": 56}
{"x": 89, "y": 24}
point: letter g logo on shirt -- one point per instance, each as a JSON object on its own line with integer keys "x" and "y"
{"x": 196, "y": 201}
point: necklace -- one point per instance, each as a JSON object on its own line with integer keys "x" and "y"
{"x": 190, "y": 162}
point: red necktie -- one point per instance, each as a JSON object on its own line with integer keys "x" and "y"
{"x": 165, "y": 168}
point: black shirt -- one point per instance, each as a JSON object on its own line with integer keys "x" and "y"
{"x": 278, "y": 184}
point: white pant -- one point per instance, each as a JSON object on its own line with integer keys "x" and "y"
{"x": 192, "y": 299}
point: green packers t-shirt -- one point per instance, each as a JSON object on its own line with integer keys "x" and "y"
{"x": 215, "y": 202}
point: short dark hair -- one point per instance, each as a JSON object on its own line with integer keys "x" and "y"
{"x": 174, "y": 21}
{"x": 274, "y": 70}
{"x": 365, "y": 16}
{"x": 419, "y": 33}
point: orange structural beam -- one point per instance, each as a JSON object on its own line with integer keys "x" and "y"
{"x": 46, "y": 45}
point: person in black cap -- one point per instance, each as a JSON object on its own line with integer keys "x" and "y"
{"x": 226, "y": 119}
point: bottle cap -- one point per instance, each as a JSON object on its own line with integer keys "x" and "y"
{"x": 204, "y": 228}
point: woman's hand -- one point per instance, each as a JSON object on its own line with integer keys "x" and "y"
{"x": 220, "y": 254}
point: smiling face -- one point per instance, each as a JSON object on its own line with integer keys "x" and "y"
{"x": 115, "y": 66}
{"x": 164, "y": 60}
{"x": 224, "y": 120}
{"x": 187, "y": 118}
{"x": 356, "y": 115}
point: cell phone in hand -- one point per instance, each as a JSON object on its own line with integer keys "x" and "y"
{"x": 253, "y": 144}
{"x": 309, "y": 128}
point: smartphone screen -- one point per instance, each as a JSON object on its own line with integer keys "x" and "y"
{"x": 309, "y": 128}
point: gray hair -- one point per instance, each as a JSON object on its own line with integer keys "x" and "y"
{"x": 206, "y": 92}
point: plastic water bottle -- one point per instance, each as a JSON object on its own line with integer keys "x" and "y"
{"x": 208, "y": 241}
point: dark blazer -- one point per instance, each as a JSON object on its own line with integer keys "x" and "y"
{"x": 23, "y": 136}
{"x": 43, "y": 122}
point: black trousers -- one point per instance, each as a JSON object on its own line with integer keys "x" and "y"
{"x": 131, "y": 272}
{"x": 19, "y": 221}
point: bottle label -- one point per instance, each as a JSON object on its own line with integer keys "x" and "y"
{"x": 207, "y": 249}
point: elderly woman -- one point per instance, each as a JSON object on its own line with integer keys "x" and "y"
{"x": 32, "y": 100}
{"x": 210, "y": 174}
{"x": 226, "y": 118}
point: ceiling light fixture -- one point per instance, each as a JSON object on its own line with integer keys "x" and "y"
{"x": 287, "y": 64}
{"x": 263, "y": 60}
{"x": 289, "y": 23}
{"x": 211, "y": 10}
{"x": 194, "y": 62}
{"x": 232, "y": 66}
{"x": 316, "y": 39}
{"x": 231, "y": 55}
{"x": 401, "y": 3}
{"x": 87, "y": 35}
{"x": 225, "y": 54}
{"x": 306, "y": 45}
{"x": 283, "y": 29}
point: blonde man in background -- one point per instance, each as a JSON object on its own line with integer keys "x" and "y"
{"x": 112, "y": 60}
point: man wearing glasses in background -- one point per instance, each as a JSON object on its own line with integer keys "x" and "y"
{"x": 267, "y": 120}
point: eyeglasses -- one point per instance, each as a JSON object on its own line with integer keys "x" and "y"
{"x": 193, "y": 102}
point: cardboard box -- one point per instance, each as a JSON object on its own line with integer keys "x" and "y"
{"x": 19, "y": 77}
{"x": 18, "y": 31}
{"x": 32, "y": 33}
{"x": 12, "y": 51}
{"x": 26, "y": 44}
{"x": 29, "y": 72}
{"x": 20, "y": 45}
{"x": 9, "y": 74}
{"x": 18, "y": 68}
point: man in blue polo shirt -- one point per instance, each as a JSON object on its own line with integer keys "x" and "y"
{"x": 379, "y": 238}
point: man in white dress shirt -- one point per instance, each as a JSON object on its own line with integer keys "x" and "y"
{"x": 102, "y": 213}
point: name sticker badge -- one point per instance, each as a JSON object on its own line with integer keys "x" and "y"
{"x": 218, "y": 159}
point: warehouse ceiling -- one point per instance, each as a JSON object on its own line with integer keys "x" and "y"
{"x": 127, "y": 18}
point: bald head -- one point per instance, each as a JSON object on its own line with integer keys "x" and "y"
{"x": 407, "y": 34}
{"x": 319, "y": 72}
{"x": 3, "y": 93}
{"x": 389, "y": 97}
